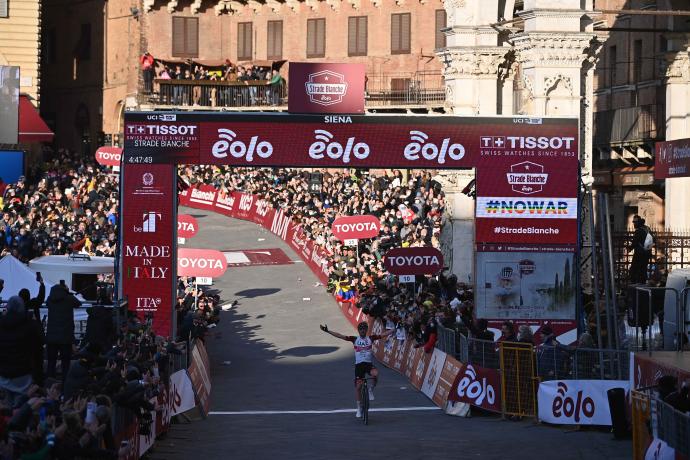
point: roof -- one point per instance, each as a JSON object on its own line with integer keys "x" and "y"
{"x": 32, "y": 128}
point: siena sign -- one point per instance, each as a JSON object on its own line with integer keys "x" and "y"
{"x": 356, "y": 227}
{"x": 413, "y": 261}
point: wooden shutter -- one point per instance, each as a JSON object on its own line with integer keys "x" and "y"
{"x": 400, "y": 33}
{"x": 316, "y": 37}
{"x": 185, "y": 36}
{"x": 275, "y": 40}
{"x": 4, "y": 8}
{"x": 244, "y": 41}
{"x": 357, "y": 36}
{"x": 440, "y": 25}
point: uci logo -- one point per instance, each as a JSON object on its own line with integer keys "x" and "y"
{"x": 239, "y": 149}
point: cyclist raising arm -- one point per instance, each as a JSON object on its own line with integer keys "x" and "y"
{"x": 363, "y": 357}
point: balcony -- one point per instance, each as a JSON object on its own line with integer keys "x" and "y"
{"x": 402, "y": 90}
{"x": 629, "y": 126}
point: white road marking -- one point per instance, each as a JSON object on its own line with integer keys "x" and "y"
{"x": 334, "y": 411}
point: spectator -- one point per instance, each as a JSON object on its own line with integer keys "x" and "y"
{"x": 276, "y": 87}
{"x": 60, "y": 333}
{"x": 552, "y": 357}
{"x": 641, "y": 254}
{"x": 18, "y": 339}
{"x": 508, "y": 332}
{"x": 146, "y": 62}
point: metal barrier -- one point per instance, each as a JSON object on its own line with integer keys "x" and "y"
{"x": 483, "y": 353}
{"x": 561, "y": 362}
{"x": 672, "y": 426}
{"x": 641, "y": 414}
{"x": 679, "y": 311}
{"x": 518, "y": 379}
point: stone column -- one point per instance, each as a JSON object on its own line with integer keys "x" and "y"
{"x": 676, "y": 209}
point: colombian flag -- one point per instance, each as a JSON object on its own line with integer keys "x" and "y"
{"x": 345, "y": 293}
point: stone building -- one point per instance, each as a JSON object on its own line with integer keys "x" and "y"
{"x": 20, "y": 41}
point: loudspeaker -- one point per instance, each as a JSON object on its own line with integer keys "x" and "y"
{"x": 619, "y": 422}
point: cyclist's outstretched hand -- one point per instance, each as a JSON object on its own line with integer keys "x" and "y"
{"x": 324, "y": 328}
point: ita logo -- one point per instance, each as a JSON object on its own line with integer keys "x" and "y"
{"x": 326, "y": 87}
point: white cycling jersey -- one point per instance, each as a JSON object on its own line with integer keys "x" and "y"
{"x": 363, "y": 348}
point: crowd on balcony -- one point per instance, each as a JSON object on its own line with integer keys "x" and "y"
{"x": 238, "y": 85}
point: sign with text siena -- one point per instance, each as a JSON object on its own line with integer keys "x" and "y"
{"x": 319, "y": 87}
{"x": 149, "y": 222}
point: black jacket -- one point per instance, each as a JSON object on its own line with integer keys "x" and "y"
{"x": 61, "y": 305}
{"x": 18, "y": 339}
{"x": 99, "y": 327}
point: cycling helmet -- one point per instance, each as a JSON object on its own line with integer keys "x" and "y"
{"x": 363, "y": 325}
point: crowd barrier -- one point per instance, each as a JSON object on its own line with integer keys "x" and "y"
{"x": 188, "y": 387}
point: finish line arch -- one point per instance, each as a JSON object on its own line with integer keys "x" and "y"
{"x": 527, "y": 192}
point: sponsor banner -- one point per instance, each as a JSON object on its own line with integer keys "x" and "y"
{"x": 528, "y": 175}
{"x": 526, "y": 285}
{"x": 245, "y": 206}
{"x": 320, "y": 87}
{"x": 443, "y": 142}
{"x": 200, "y": 376}
{"x": 200, "y": 262}
{"x": 187, "y": 226}
{"x": 646, "y": 370}
{"x": 672, "y": 159}
{"x": 202, "y": 196}
{"x": 478, "y": 386}
{"x": 413, "y": 261}
{"x": 182, "y": 393}
{"x": 147, "y": 440}
{"x": 526, "y": 208}
{"x": 399, "y": 356}
{"x": 449, "y": 373}
{"x": 577, "y": 402}
{"x": 183, "y": 197}
{"x": 419, "y": 371}
{"x": 109, "y": 156}
{"x": 225, "y": 203}
{"x": 356, "y": 227}
{"x": 433, "y": 373}
{"x": 526, "y": 231}
{"x": 148, "y": 232}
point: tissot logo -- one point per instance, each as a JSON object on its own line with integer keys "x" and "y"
{"x": 526, "y": 142}
{"x": 157, "y": 130}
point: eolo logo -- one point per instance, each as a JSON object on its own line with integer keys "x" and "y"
{"x": 569, "y": 407}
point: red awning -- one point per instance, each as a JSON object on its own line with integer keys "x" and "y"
{"x": 32, "y": 128}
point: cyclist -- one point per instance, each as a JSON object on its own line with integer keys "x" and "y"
{"x": 363, "y": 358}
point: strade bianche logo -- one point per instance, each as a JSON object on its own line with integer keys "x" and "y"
{"x": 326, "y": 87}
{"x": 527, "y": 178}
{"x": 527, "y": 208}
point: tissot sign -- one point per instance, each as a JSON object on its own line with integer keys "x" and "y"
{"x": 326, "y": 88}
{"x": 527, "y": 172}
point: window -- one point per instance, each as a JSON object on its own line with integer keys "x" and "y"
{"x": 185, "y": 38}
{"x": 440, "y": 25}
{"x": 400, "y": 33}
{"x": 4, "y": 9}
{"x": 275, "y": 40}
{"x": 637, "y": 61}
{"x": 612, "y": 66}
{"x": 83, "y": 51}
{"x": 357, "y": 36}
{"x": 316, "y": 38}
{"x": 244, "y": 41}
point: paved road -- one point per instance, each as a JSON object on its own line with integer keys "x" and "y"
{"x": 269, "y": 355}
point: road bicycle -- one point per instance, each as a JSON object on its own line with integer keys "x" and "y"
{"x": 364, "y": 398}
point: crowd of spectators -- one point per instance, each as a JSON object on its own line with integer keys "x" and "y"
{"x": 247, "y": 85}
{"x": 63, "y": 204}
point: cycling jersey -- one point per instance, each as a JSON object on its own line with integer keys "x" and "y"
{"x": 363, "y": 347}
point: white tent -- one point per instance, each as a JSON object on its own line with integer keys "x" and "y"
{"x": 18, "y": 276}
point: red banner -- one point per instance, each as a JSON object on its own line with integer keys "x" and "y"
{"x": 478, "y": 386}
{"x": 148, "y": 233}
{"x": 442, "y": 142}
{"x": 672, "y": 159}
{"x": 109, "y": 156}
{"x": 356, "y": 227}
{"x": 187, "y": 226}
{"x": 200, "y": 262}
{"x": 319, "y": 87}
{"x": 413, "y": 261}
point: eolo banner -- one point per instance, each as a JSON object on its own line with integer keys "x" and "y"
{"x": 495, "y": 145}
